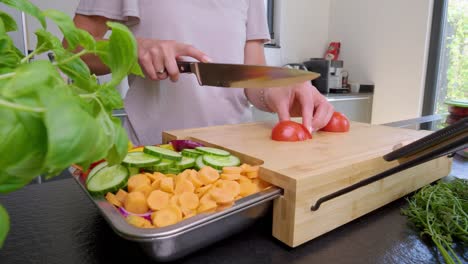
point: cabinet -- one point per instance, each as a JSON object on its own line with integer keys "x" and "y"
{"x": 356, "y": 106}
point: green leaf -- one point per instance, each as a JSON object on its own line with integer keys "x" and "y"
{"x": 4, "y": 225}
{"x": 29, "y": 77}
{"x": 10, "y": 183}
{"x": 23, "y": 146}
{"x": 46, "y": 41}
{"x": 75, "y": 37}
{"x": 10, "y": 55}
{"x": 122, "y": 52}
{"x": 76, "y": 70}
{"x": 74, "y": 136}
{"x": 110, "y": 98}
{"x": 119, "y": 149}
{"x": 9, "y": 23}
{"x": 136, "y": 70}
{"x": 27, "y": 7}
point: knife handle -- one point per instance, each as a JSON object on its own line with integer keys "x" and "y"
{"x": 184, "y": 66}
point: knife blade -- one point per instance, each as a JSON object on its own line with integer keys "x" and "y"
{"x": 244, "y": 76}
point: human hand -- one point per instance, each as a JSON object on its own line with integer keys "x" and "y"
{"x": 158, "y": 58}
{"x": 300, "y": 100}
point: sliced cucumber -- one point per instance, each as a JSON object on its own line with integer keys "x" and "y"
{"x": 108, "y": 179}
{"x": 199, "y": 163}
{"x": 95, "y": 170}
{"x": 173, "y": 171}
{"x": 191, "y": 153}
{"x": 213, "y": 151}
{"x": 185, "y": 163}
{"x": 140, "y": 160}
{"x": 133, "y": 171}
{"x": 163, "y": 153}
{"x": 220, "y": 162}
{"x": 163, "y": 166}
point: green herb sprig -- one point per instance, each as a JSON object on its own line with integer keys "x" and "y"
{"x": 47, "y": 123}
{"x": 441, "y": 212}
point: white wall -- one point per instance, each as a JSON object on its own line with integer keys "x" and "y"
{"x": 303, "y": 31}
{"x": 385, "y": 42}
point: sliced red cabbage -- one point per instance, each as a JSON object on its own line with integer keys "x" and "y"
{"x": 181, "y": 144}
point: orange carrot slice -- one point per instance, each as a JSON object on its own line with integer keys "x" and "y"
{"x": 189, "y": 200}
{"x": 231, "y": 187}
{"x": 208, "y": 175}
{"x": 167, "y": 216}
{"x": 247, "y": 188}
{"x": 232, "y": 170}
{"x": 111, "y": 198}
{"x": 158, "y": 200}
{"x": 184, "y": 186}
{"x": 174, "y": 200}
{"x": 156, "y": 176}
{"x": 221, "y": 197}
{"x": 136, "y": 203}
{"x": 167, "y": 184}
{"x": 195, "y": 179}
{"x": 137, "y": 180}
{"x": 121, "y": 195}
{"x": 207, "y": 206}
{"x": 230, "y": 176}
{"x": 138, "y": 221}
{"x": 145, "y": 189}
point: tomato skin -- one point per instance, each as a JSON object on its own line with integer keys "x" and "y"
{"x": 338, "y": 123}
{"x": 290, "y": 131}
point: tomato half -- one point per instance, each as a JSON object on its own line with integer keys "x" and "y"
{"x": 338, "y": 123}
{"x": 290, "y": 131}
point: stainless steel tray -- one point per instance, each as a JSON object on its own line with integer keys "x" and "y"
{"x": 173, "y": 242}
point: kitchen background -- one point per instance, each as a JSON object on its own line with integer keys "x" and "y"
{"x": 382, "y": 42}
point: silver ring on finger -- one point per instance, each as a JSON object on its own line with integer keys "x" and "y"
{"x": 162, "y": 71}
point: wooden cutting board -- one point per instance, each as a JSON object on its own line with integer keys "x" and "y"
{"x": 310, "y": 169}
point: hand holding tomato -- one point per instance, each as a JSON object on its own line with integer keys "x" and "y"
{"x": 338, "y": 123}
{"x": 290, "y": 131}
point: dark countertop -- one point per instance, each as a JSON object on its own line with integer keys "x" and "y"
{"x": 55, "y": 222}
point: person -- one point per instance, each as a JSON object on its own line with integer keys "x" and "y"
{"x": 222, "y": 31}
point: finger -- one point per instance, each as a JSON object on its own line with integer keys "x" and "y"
{"x": 191, "y": 51}
{"x": 146, "y": 63}
{"x": 307, "y": 107}
{"x": 171, "y": 66}
{"x": 283, "y": 111}
{"x": 323, "y": 114}
{"x": 158, "y": 62}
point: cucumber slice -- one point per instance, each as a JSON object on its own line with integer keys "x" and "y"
{"x": 191, "y": 153}
{"x": 140, "y": 160}
{"x": 173, "y": 171}
{"x": 185, "y": 163}
{"x": 163, "y": 153}
{"x": 199, "y": 163}
{"x": 133, "y": 171}
{"x": 95, "y": 170}
{"x": 213, "y": 151}
{"x": 220, "y": 162}
{"x": 108, "y": 179}
{"x": 163, "y": 166}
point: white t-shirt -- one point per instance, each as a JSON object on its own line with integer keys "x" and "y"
{"x": 219, "y": 28}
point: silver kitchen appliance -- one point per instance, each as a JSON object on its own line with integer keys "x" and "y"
{"x": 331, "y": 75}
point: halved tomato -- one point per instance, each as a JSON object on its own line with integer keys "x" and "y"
{"x": 338, "y": 123}
{"x": 290, "y": 131}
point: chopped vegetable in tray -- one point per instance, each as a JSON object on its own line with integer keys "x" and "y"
{"x": 158, "y": 186}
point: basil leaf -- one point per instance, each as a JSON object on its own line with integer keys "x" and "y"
{"x": 10, "y": 183}
{"x": 73, "y": 35}
{"x": 74, "y": 136}
{"x": 136, "y": 70}
{"x": 122, "y": 52}
{"x": 24, "y": 144}
{"x": 4, "y": 225}
{"x": 43, "y": 74}
{"x": 46, "y": 41}
{"x": 76, "y": 69}
{"x": 9, "y": 24}
{"x": 10, "y": 55}
{"x": 120, "y": 147}
{"x": 27, "y": 7}
{"x": 110, "y": 97}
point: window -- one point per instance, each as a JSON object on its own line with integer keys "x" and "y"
{"x": 447, "y": 75}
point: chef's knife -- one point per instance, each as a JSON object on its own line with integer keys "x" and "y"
{"x": 244, "y": 76}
